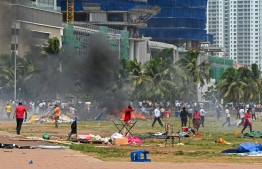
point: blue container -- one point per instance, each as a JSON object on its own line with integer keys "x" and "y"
{"x": 177, "y": 114}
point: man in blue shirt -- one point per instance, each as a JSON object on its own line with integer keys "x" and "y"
{"x": 143, "y": 109}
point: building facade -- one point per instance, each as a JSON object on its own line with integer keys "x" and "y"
{"x": 26, "y": 25}
{"x": 127, "y": 15}
{"x": 236, "y": 24}
{"x": 182, "y": 23}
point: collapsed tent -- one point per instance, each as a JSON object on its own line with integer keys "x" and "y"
{"x": 247, "y": 148}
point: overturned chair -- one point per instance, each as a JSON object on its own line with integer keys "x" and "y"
{"x": 136, "y": 156}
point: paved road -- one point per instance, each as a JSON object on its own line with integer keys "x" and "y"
{"x": 69, "y": 159}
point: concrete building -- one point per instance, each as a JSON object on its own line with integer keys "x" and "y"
{"x": 26, "y": 25}
{"x": 181, "y": 23}
{"x": 236, "y": 25}
{"x": 127, "y": 15}
{"x": 146, "y": 50}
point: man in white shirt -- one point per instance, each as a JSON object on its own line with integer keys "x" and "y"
{"x": 242, "y": 115}
{"x": 202, "y": 116}
{"x": 227, "y": 113}
{"x": 157, "y": 117}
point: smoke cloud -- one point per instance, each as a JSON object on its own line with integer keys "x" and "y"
{"x": 96, "y": 70}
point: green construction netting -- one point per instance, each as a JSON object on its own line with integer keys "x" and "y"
{"x": 219, "y": 60}
{"x": 217, "y": 71}
{"x": 104, "y": 30}
{"x": 120, "y": 44}
{"x": 68, "y": 34}
{"x": 124, "y": 44}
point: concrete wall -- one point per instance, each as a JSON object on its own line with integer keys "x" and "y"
{"x": 19, "y": 24}
{"x": 38, "y": 16}
{"x": 26, "y": 39}
{"x": 6, "y": 15}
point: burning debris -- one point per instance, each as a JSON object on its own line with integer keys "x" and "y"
{"x": 134, "y": 115}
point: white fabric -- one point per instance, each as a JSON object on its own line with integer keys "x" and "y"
{"x": 157, "y": 112}
{"x": 202, "y": 112}
{"x": 241, "y": 113}
{"x": 227, "y": 113}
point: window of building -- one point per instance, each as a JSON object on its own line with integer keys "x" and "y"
{"x": 14, "y": 46}
{"x": 15, "y": 31}
{"x": 40, "y": 35}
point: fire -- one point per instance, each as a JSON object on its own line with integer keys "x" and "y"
{"x": 134, "y": 115}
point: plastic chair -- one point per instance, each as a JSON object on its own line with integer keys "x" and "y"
{"x": 136, "y": 156}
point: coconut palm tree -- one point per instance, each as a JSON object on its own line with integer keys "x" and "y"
{"x": 45, "y": 73}
{"x": 139, "y": 80}
{"x": 252, "y": 87}
{"x": 6, "y": 70}
{"x": 161, "y": 82}
{"x": 194, "y": 73}
{"x": 230, "y": 85}
{"x": 197, "y": 72}
{"x": 256, "y": 77}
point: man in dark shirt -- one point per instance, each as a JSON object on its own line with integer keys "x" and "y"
{"x": 183, "y": 116}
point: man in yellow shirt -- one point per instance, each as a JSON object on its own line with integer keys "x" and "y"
{"x": 56, "y": 115}
{"x": 8, "y": 110}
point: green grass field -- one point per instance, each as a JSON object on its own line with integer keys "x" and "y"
{"x": 195, "y": 148}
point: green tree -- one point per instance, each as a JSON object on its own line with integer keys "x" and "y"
{"x": 230, "y": 85}
{"x": 197, "y": 72}
{"x": 253, "y": 86}
{"x": 161, "y": 82}
{"x": 44, "y": 78}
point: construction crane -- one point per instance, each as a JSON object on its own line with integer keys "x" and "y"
{"x": 70, "y": 11}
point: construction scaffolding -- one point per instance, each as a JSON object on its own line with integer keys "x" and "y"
{"x": 79, "y": 35}
{"x": 218, "y": 66}
{"x": 118, "y": 40}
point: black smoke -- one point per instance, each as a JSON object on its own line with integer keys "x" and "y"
{"x": 97, "y": 70}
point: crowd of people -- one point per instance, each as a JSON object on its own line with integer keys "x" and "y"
{"x": 196, "y": 113}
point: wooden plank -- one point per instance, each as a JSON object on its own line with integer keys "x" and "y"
{"x": 60, "y": 142}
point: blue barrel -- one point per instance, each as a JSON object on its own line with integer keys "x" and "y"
{"x": 177, "y": 113}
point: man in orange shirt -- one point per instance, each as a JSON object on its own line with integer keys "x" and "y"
{"x": 56, "y": 115}
{"x": 20, "y": 113}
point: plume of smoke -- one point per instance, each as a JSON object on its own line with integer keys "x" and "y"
{"x": 96, "y": 71}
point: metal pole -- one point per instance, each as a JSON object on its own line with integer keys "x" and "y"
{"x": 119, "y": 47}
{"x": 15, "y": 67}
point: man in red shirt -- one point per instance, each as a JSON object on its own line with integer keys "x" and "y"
{"x": 128, "y": 111}
{"x": 127, "y": 118}
{"x": 20, "y": 113}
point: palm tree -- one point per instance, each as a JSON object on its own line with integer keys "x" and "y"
{"x": 194, "y": 72}
{"x": 230, "y": 85}
{"x": 197, "y": 72}
{"x": 252, "y": 87}
{"x": 256, "y": 77}
{"x": 45, "y": 72}
{"x": 161, "y": 79}
{"x": 7, "y": 70}
{"x": 140, "y": 82}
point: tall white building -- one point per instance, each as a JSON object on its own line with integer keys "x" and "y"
{"x": 236, "y": 25}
